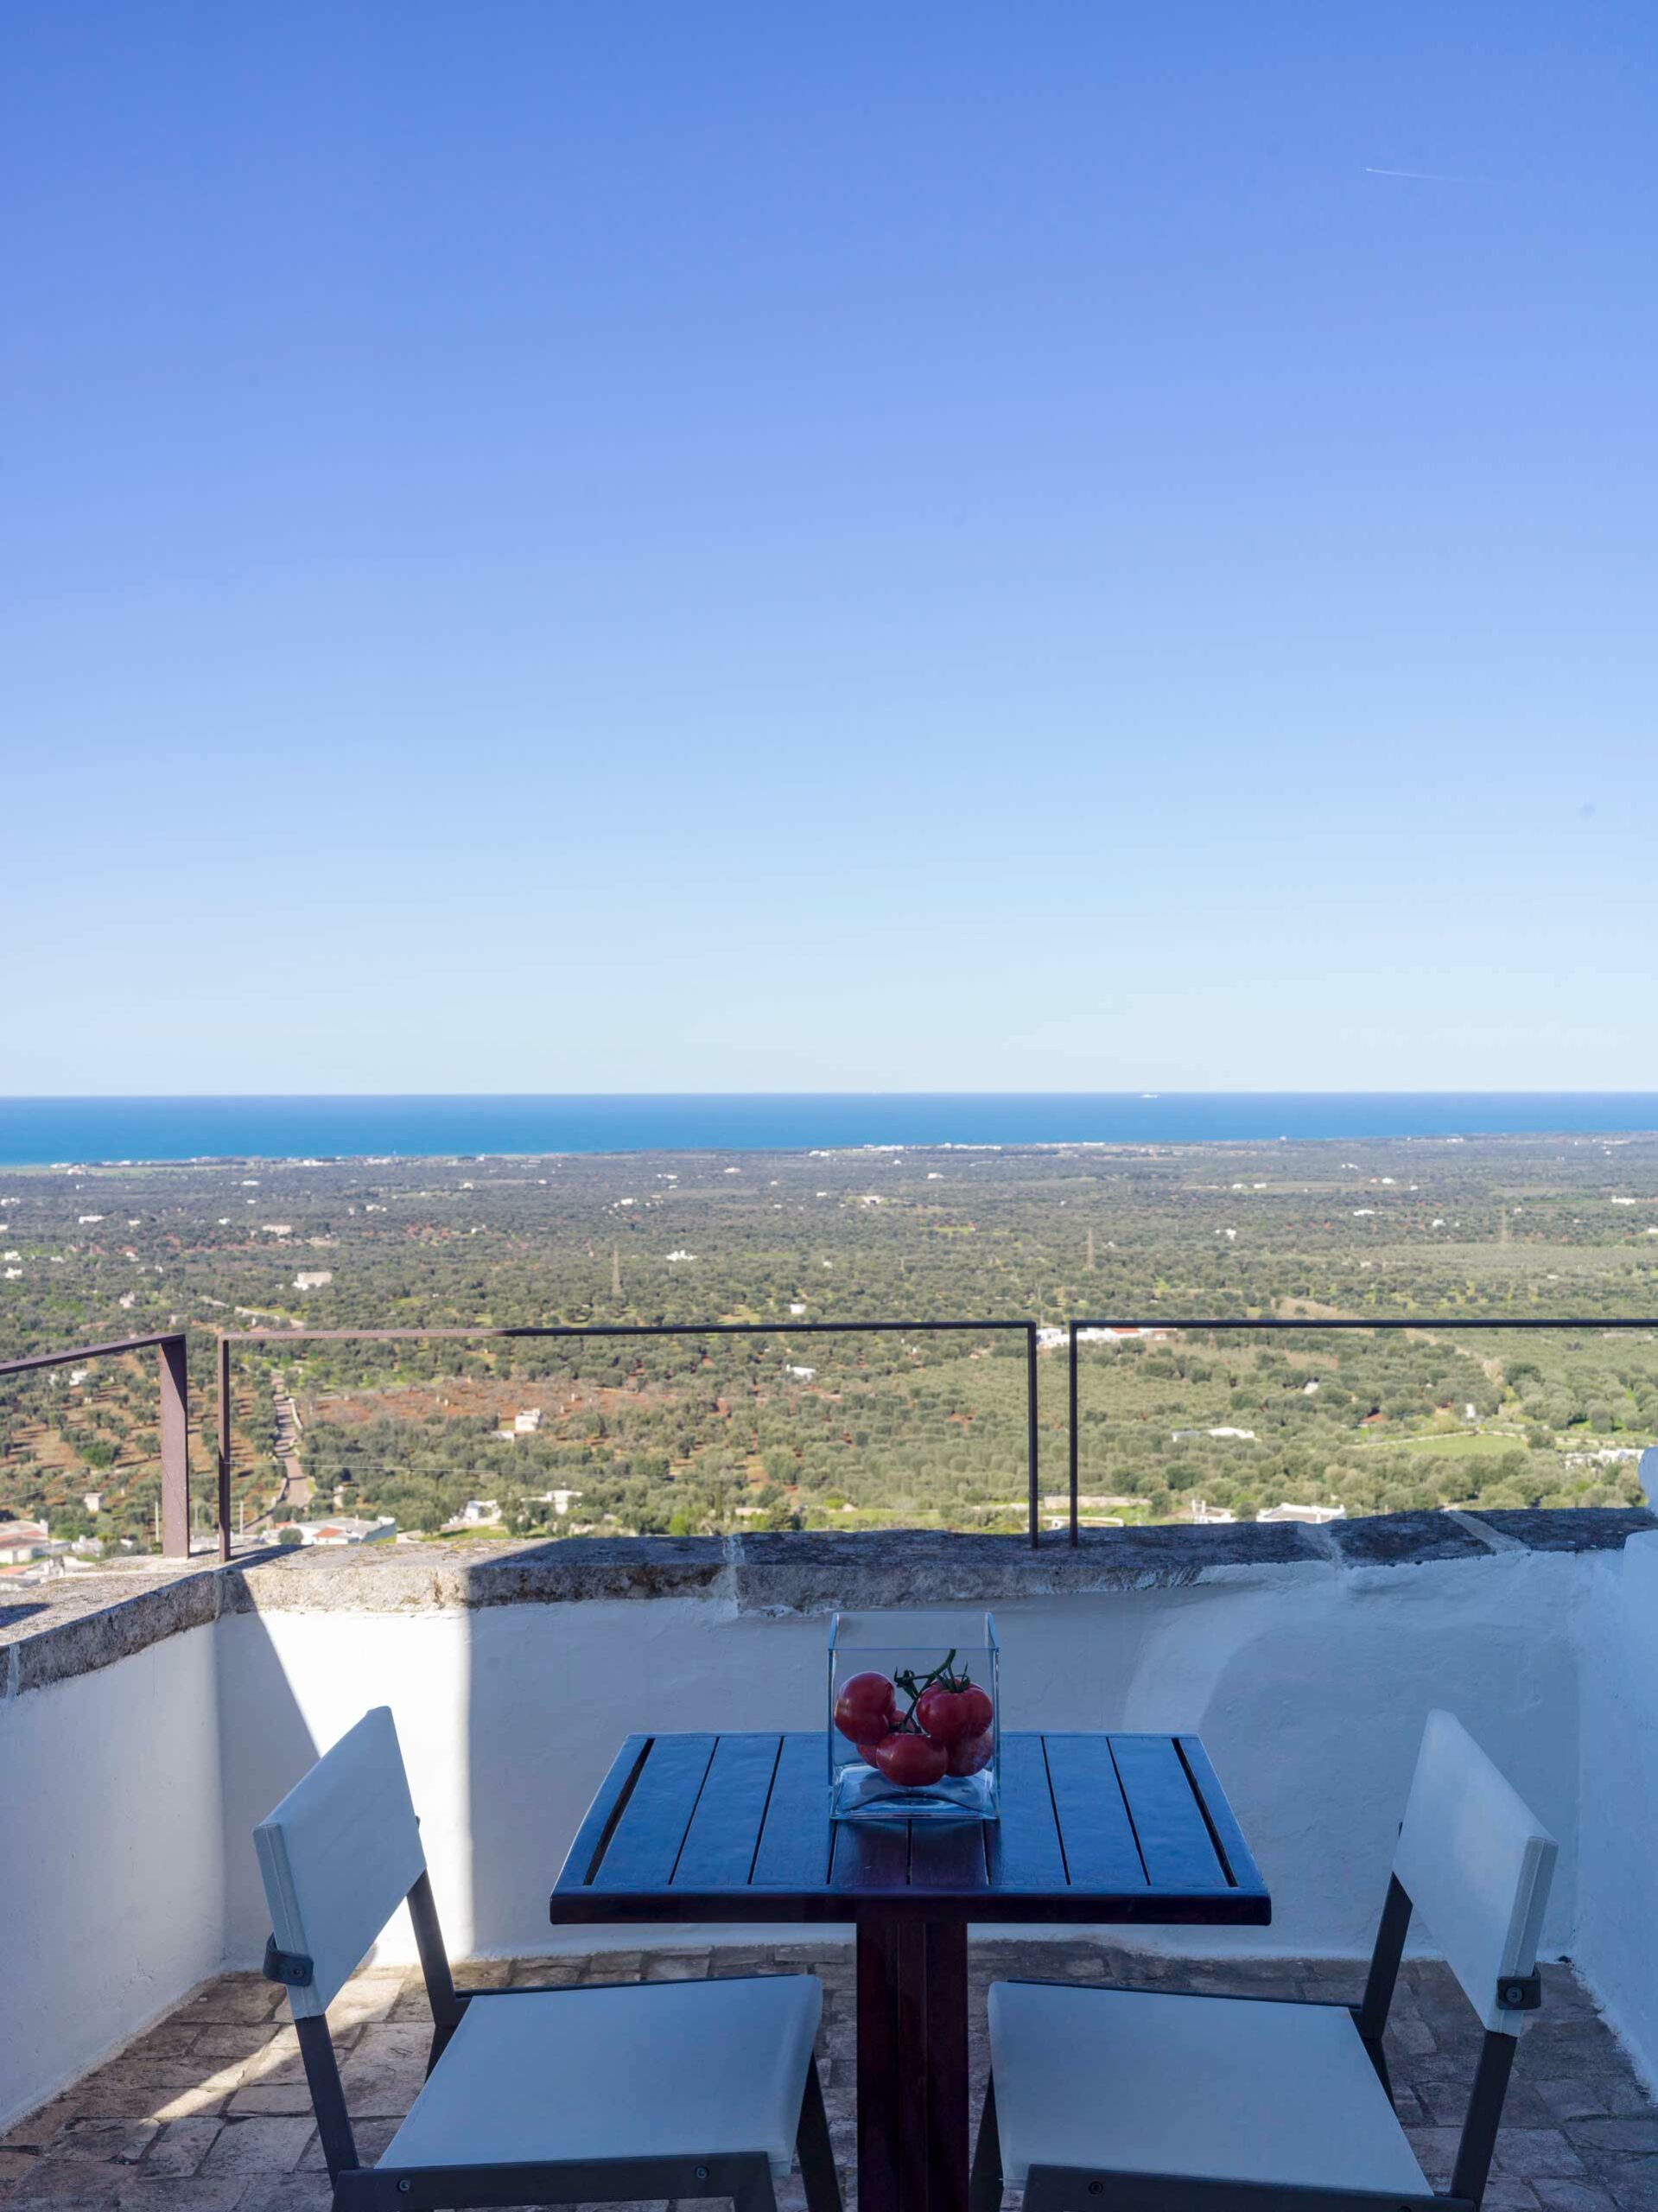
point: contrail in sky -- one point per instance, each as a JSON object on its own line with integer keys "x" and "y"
{"x": 1417, "y": 176}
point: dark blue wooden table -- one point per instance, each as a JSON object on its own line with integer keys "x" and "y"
{"x": 1095, "y": 1829}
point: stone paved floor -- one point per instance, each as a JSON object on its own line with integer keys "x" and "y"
{"x": 209, "y": 2109}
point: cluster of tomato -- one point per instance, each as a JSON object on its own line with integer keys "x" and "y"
{"x": 946, "y": 1730}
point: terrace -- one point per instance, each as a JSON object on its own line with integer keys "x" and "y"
{"x": 149, "y": 1718}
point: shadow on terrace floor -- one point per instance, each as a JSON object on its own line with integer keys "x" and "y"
{"x": 210, "y": 2108}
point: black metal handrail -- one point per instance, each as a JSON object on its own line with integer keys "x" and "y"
{"x": 1166, "y": 1325}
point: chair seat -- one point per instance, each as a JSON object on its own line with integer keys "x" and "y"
{"x": 1218, "y": 2088}
{"x": 663, "y": 2070}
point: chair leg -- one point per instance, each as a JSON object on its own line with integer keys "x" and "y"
{"x": 814, "y": 2149}
{"x": 757, "y": 2194}
{"x": 984, "y": 2188}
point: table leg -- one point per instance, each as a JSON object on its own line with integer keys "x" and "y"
{"x": 913, "y": 2131}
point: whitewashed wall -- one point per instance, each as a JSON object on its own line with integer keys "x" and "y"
{"x": 111, "y": 1860}
{"x": 1615, "y": 1941}
{"x": 1309, "y": 1686}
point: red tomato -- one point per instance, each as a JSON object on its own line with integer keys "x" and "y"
{"x": 910, "y": 1761}
{"x": 865, "y": 1710}
{"x": 976, "y": 1706}
{"x": 970, "y": 1754}
{"x": 951, "y": 1716}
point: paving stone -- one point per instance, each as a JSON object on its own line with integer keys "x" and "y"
{"x": 676, "y": 1966}
{"x": 270, "y": 2097}
{"x": 86, "y": 2188}
{"x": 103, "y": 2142}
{"x": 208, "y": 2092}
{"x": 382, "y": 2077}
{"x": 252, "y": 2147}
{"x": 130, "y": 2090}
{"x": 181, "y": 2147}
{"x": 731, "y": 1959}
{"x": 84, "y": 2163}
{"x": 1537, "y": 2151}
{"x": 1573, "y": 2047}
{"x": 1051, "y": 1962}
{"x": 234, "y": 1997}
{"x": 1435, "y": 2149}
{"x": 1573, "y": 2195}
{"x": 227, "y": 2040}
{"x": 143, "y": 2191}
{"x": 171, "y": 2039}
{"x": 1632, "y": 2183}
{"x": 1444, "y": 2097}
{"x": 1524, "y": 2107}
{"x": 614, "y": 1965}
{"x": 1565, "y": 1997}
{"x": 368, "y": 1996}
{"x": 298, "y": 2192}
{"x": 371, "y": 2137}
{"x": 1508, "y": 2193}
{"x": 278, "y": 2059}
{"x": 36, "y": 2129}
{"x": 475, "y": 1973}
{"x": 1623, "y": 2138}
{"x": 1568, "y": 2099}
{"x": 1622, "y": 2093}
{"x": 546, "y": 1974}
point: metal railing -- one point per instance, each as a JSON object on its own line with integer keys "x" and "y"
{"x": 170, "y": 1348}
{"x": 1167, "y": 1326}
{"x": 582, "y": 1331}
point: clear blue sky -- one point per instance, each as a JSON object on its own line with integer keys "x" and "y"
{"x": 582, "y": 547}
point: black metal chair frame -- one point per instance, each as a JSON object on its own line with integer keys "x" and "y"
{"x": 1076, "y": 2189}
{"x": 746, "y": 2178}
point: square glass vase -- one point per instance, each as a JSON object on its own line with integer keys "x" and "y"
{"x": 914, "y": 1717}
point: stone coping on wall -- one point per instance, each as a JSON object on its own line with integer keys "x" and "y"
{"x": 54, "y": 1630}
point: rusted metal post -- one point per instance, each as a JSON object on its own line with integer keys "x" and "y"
{"x": 224, "y": 1448}
{"x": 171, "y": 1369}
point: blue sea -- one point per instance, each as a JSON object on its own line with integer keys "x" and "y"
{"x": 40, "y": 1131}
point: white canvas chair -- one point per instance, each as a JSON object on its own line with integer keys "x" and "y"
{"x": 532, "y": 2096}
{"x": 1162, "y": 2103}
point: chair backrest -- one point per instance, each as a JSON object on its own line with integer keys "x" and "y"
{"x": 339, "y": 1855}
{"x": 1476, "y": 1864}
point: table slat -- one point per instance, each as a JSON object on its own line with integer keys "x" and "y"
{"x": 725, "y": 1830}
{"x": 1235, "y": 1852}
{"x": 647, "y": 1840}
{"x": 595, "y": 1830}
{"x": 1023, "y": 1845}
{"x": 1095, "y": 1830}
{"x": 794, "y": 1845}
{"x": 1169, "y": 1824}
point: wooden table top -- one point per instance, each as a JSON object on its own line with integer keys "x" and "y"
{"x": 1094, "y": 1828}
